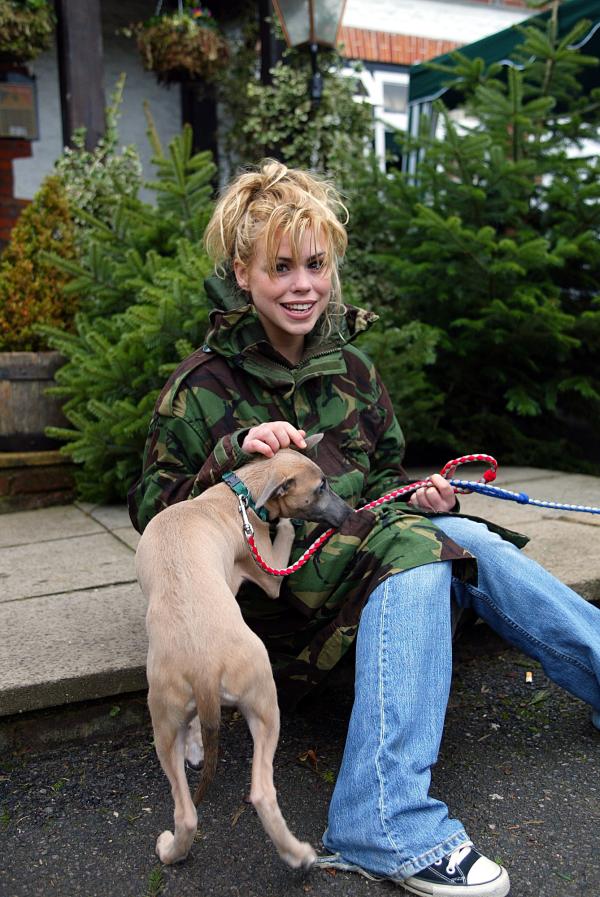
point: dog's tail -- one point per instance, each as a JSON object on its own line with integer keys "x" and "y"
{"x": 209, "y": 714}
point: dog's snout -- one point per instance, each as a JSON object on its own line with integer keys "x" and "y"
{"x": 336, "y": 511}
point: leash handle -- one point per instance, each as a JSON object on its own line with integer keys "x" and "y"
{"x": 488, "y": 475}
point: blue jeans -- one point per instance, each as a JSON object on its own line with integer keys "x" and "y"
{"x": 381, "y": 816}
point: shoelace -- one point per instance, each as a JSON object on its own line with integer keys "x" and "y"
{"x": 456, "y": 857}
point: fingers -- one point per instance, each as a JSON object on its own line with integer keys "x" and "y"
{"x": 437, "y": 497}
{"x": 266, "y": 439}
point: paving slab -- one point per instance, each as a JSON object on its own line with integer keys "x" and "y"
{"x": 63, "y": 565}
{"x": 78, "y": 646}
{"x": 568, "y": 551}
{"x": 111, "y": 516}
{"x": 45, "y": 524}
{"x": 128, "y": 535}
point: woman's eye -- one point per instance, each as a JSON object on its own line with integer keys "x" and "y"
{"x": 316, "y": 265}
{"x": 281, "y": 267}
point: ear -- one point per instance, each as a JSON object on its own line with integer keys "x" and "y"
{"x": 241, "y": 274}
{"x": 275, "y": 488}
{"x": 312, "y": 441}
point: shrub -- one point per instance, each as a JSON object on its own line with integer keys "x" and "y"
{"x": 31, "y": 286}
{"x": 92, "y": 178}
{"x": 280, "y": 118}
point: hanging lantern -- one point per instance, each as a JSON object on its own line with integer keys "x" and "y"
{"x": 315, "y": 23}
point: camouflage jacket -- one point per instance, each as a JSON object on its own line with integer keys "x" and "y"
{"x": 237, "y": 380}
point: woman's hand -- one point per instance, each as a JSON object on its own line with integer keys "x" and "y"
{"x": 266, "y": 439}
{"x": 438, "y": 497}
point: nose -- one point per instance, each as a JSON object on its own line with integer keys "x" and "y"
{"x": 302, "y": 282}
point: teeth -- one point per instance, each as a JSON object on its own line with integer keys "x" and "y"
{"x": 297, "y": 307}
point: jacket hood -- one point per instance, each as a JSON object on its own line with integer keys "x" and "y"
{"x": 223, "y": 292}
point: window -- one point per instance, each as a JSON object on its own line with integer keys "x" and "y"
{"x": 395, "y": 96}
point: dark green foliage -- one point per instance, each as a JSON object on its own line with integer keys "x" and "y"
{"x": 497, "y": 244}
{"x": 141, "y": 283}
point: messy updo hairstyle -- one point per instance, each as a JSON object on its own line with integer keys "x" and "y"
{"x": 272, "y": 201}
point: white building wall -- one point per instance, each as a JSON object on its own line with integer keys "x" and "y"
{"x": 463, "y": 22}
{"x": 120, "y": 55}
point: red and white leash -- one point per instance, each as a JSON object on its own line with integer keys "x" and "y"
{"x": 447, "y": 470}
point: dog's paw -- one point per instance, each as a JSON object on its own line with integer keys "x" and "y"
{"x": 169, "y": 851}
{"x": 164, "y": 847}
{"x": 302, "y": 857}
{"x": 285, "y": 525}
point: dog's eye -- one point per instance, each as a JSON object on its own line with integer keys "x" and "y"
{"x": 323, "y": 486}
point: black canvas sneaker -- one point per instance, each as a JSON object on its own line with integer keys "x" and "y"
{"x": 463, "y": 873}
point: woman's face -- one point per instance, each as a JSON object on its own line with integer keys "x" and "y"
{"x": 290, "y": 303}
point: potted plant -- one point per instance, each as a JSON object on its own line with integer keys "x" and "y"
{"x": 32, "y": 292}
{"x": 185, "y": 45}
{"x": 26, "y": 29}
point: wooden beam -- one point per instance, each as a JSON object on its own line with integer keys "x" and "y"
{"x": 81, "y": 69}
{"x": 199, "y": 109}
{"x": 271, "y": 49}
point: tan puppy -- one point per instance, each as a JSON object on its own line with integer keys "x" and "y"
{"x": 191, "y": 561}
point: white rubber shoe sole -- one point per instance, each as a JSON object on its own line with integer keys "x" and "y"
{"x": 498, "y": 887}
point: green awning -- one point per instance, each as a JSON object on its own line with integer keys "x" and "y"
{"x": 427, "y": 85}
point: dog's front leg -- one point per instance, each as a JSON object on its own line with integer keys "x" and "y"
{"x": 280, "y": 551}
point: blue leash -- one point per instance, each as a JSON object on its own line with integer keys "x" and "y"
{"x": 521, "y": 497}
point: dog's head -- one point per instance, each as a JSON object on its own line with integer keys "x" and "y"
{"x": 297, "y": 487}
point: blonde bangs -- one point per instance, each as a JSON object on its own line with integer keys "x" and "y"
{"x": 294, "y": 224}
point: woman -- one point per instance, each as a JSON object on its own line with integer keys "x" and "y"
{"x": 280, "y": 362}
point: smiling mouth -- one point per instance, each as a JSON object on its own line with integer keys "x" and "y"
{"x": 297, "y": 306}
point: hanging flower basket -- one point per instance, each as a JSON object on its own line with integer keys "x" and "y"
{"x": 182, "y": 46}
{"x": 26, "y": 29}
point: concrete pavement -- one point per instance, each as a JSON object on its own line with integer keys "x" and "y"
{"x": 72, "y": 614}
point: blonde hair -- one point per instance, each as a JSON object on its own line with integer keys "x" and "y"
{"x": 272, "y": 201}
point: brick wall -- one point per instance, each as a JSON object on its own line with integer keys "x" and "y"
{"x": 10, "y": 208}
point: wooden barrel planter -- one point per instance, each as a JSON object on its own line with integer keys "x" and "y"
{"x": 32, "y": 471}
{"x": 25, "y": 409}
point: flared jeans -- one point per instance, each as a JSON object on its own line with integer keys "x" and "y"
{"x": 382, "y": 817}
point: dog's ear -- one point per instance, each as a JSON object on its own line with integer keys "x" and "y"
{"x": 312, "y": 441}
{"x": 275, "y": 488}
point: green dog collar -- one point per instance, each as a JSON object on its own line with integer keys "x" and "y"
{"x": 236, "y": 485}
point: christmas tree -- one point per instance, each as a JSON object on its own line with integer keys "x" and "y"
{"x": 143, "y": 310}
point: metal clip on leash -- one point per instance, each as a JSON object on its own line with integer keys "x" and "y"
{"x": 243, "y": 509}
